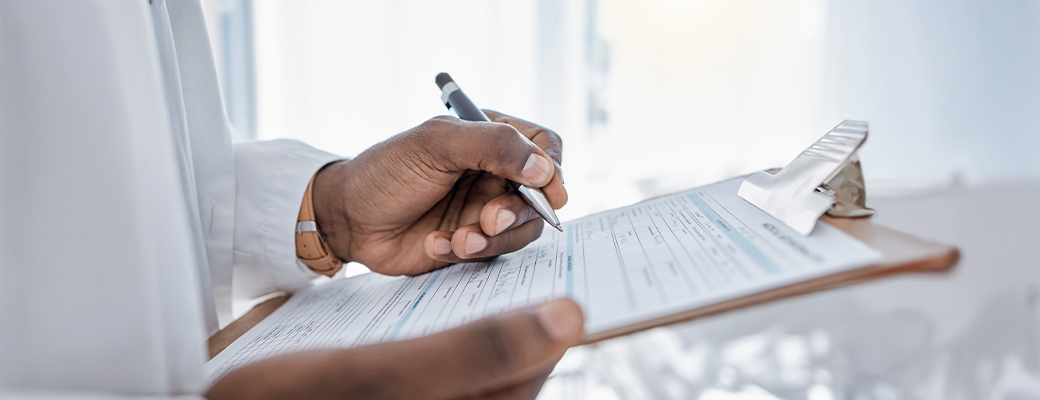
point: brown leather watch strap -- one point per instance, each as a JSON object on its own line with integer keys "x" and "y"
{"x": 311, "y": 247}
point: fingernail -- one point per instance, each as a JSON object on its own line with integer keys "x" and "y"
{"x": 538, "y": 170}
{"x": 505, "y": 219}
{"x": 475, "y": 242}
{"x": 441, "y": 246}
{"x": 559, "y": 320}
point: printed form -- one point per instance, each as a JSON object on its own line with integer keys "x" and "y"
{"x": 624, "y": 266}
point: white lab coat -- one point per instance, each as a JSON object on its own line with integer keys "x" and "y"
{"x": 129, "y": 220}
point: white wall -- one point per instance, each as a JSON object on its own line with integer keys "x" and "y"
{"x": 951, "y": 88}
{"x": 343, "y": 75}
{"x": 692, "y": 91}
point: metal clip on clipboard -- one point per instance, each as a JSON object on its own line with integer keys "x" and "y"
{"x": 824, "y": 178}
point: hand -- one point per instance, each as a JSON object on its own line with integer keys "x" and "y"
{"x": 507, "y": 356}
{"x": 437, "y": 194}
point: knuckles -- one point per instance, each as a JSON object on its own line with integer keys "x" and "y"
{"x": 505, "y": 137}
{"x": 429, "y": 138}
{"x": 495, "y": 147}
{"x": 506, "y": 144}
{"x": 440, "y": 122}
{"x": 436, "y": 128}
{"x": 553, "y": 137}
{"x": 556, "y": 152}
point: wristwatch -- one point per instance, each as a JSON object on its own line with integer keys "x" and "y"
{"x": 311, "y": 247}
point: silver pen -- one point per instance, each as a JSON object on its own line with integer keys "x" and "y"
{"x": 453, "y": 98}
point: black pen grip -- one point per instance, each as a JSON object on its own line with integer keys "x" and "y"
{"x": 465, "y": 108}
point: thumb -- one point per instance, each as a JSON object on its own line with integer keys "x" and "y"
{"x": 486, "y": 146}
{"x": 488, "y": 355}
{"x": 494, "y": 352}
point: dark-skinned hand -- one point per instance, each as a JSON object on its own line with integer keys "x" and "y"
{"x": 437, "y": 194}
{"x": 507, "y": 356}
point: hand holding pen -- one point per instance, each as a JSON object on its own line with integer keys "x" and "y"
{"x": 455, "y": 99}
{"x": 438, "y": 194}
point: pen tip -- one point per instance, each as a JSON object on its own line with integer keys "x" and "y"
{"x": 559, "y": 227}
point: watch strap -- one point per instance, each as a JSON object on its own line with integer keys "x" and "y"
{"x": 311, "y": 247}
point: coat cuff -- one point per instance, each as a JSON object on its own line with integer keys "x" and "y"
{"x": 271, "y": 178}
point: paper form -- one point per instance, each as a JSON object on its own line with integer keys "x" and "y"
{"x": 623, "y": 266}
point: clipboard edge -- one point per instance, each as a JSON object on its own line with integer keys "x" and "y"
{"x": 934, "y": 258}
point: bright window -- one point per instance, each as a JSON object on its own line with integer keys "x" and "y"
{"x": 660, "y": 95}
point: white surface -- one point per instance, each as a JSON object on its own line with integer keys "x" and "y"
{"x": 624, "y": 266}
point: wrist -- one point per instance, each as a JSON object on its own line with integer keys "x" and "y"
{"x": 329, "y": 213}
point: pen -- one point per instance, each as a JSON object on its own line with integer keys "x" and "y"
{"x": 453, "y": 98}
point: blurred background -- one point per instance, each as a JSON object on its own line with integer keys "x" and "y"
{"x": 655, "y": 96}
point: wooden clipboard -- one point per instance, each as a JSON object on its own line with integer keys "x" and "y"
{"x": 901, "y": 253}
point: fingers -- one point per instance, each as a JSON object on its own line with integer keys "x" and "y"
{"x": 505, "y": 212}
{"x": 500, "y": 149}
{"x": 555, "y": 192}
{"x": 498, "y": 212}
{"x": 469, "y": 243}
{"x": 549, "y": 142}
{"x": 506, "y": 224}
{"x": 544, "y": 138}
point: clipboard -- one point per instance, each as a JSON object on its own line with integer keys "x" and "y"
{"x": 825, "y": 182}
{"x": 837, "y": 178}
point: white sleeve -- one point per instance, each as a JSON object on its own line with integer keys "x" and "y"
{"x": 271, "y": 177}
